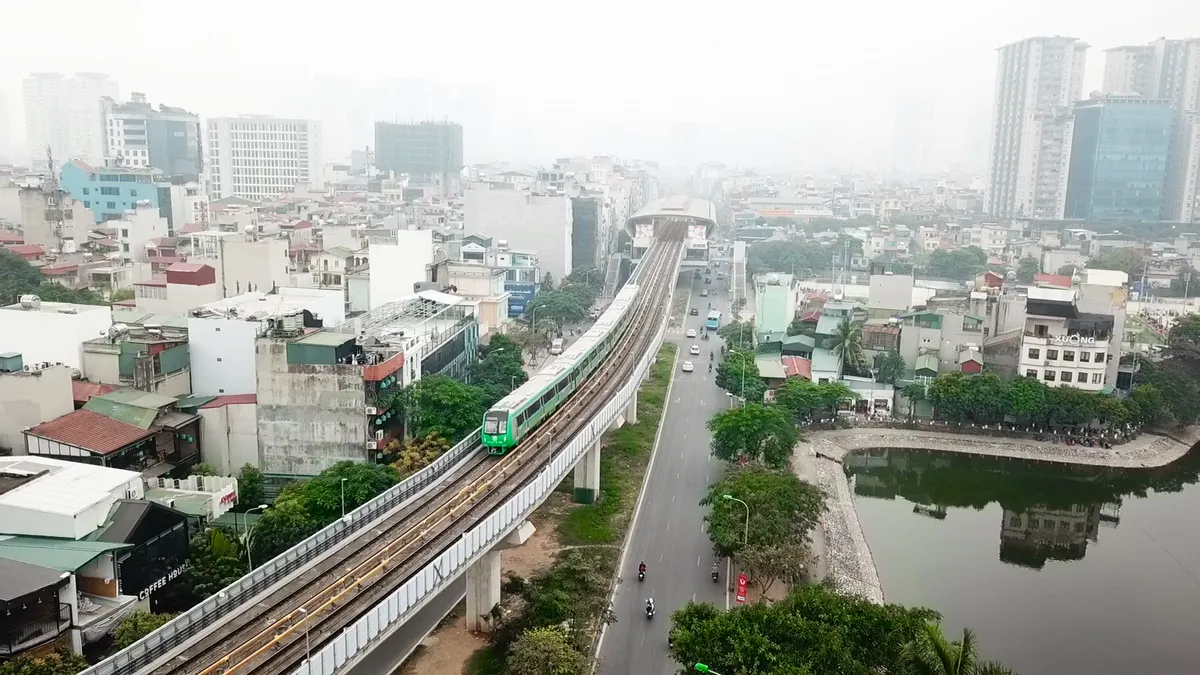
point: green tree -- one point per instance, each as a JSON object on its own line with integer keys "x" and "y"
{"x": 420, "y": 453}
{"x": 18, "y": 278}
{"x": 121, "y": 295}
{"x": 250, "y": 486}
{"x": 560, "y": 307}
{"x": 800, "y": 397}
{"x": 1128, "y": 260}
{"x": 788, "y": 561}
{"x": 1027, "y": 268}
{"x": 915, "y": 393}
{"x": 738, "y": 374}
{"x": 444, "y": 405}
{"x": 357, "y": 481}
{"x": 498, "y": 373}
{"x": 960, "y": 264}
{"x": 547, "y": 282}
{"x": 203, "y": 469}
{"x": 948, "y": 394}
{"x": 282, "y": 526}
{"x": 930, "y": 653}
{"x": 1179, "y": 389}
{"x": 847, "y": 341}
{"x": 137, "y": 626}
{"x": 889, "y": 366}
{"x": 216, "y": 559}
{"x": 783, "y": 509}
{"x": 545, "y": 651}
{"x": 987, "y": 398}
{"x": 61, "y": 662}
{"x": 1151, "y": 405}
{"x": 532, "y": 340}
{"x": 755, "y": 433}
{"x": 502, "y": 343}
{"x": 737, "y": 334}
{"x": 1183, "y": 343}
{"x": 812, "y": 630}
{"x": 1027, "y": 399}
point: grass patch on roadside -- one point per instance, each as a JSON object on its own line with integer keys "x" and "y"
{"x": 623, "y": 461}
{"x": 486, "y": 661}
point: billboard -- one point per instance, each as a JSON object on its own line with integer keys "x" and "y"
{"x": 522, "y": 292}
{"x": 742, "y": 583}
{"x": 697, "y": 232}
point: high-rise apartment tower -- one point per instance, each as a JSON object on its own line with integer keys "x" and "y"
{"x": 1037, "y": 80}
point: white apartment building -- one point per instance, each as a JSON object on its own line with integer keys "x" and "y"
{"x": 262, "y": 157}
{"x": 65, "y": 113}
{"x": 136, "y": 228}
{"x": 51, "y": 332}
{"x": 1037, "y": 80}
{"x": 243, "y": 262}
{"x": 527, "y": 221}
{"x": 397, "y": 268}
{"x": 221, "y": 335}
{"x": 993, "y": 239}
{"x": 1063, "y": 346}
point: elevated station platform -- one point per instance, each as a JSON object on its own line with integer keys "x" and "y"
{"x": 698, "y": 215}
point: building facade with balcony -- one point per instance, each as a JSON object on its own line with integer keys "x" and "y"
{"x": 1063, "y": 346}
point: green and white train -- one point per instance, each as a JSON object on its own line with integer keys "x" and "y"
{"x": 524, "y": 408}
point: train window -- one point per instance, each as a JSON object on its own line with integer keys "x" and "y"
{"x": 490, "y": 426}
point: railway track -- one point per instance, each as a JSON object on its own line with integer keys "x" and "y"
{"x": 274, "y": 636}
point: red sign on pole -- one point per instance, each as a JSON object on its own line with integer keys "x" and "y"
{"x": 743, "y": 582}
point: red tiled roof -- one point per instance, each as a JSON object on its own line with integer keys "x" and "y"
{"x": 812, "y": 315}
{"x": 91, "y": 431}
{"x": 233, "y": 399}
{"x": 1060, "y": 280}
{"x": 186, "y": 267}
{"x": 794, "y": 366}
{"x": 83, "y": 390}
{"x": 302, "y": 225}
{"x": 192, "y": 228}
{"x": 26, "y": 249}
{"x": 11, "y": 238}
{"x": 106, "y": 242}
{"x": 59, "y": 268}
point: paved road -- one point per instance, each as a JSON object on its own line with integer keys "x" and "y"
{"x": 668, "y": 530}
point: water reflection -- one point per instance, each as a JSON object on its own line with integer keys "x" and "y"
{"x": 1041, "y": 558}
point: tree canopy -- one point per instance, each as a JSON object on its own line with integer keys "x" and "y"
{"x": 737, "y": 374}
{"x": 216, "y": 559}
{"x": 813, "y": 630}
{"x": 1027, "y": 269}
{"x": 444, "y": 405}
{"x": 961, "y": 264}
{"x": 545, "y": 651}
{"x": 889, "y": 366}
{"x": 499, "y": 371}
{"x": 930, "y": 653}
{"x": 137, "y": 626}
{"x": 986, "y": 399}
{"x": 737, "y": 334}
{"x": 782, "y": 509}
{"x": 1128, "y": 260}
{"x": 755, "y": 433}
{"x": 804, "y": 399}
{"x": 250, "y": 486}
{"x": 61, "y": 662}
{"x": 847, "y": 341}
{"x": 18, "y": 278}
{"x": 561, "y": 307}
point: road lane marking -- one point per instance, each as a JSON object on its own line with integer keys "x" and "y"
{"x": 668, "y": 526}
{"x": 693, "y": 597}
{"x": 697, "y": 561}
{"x": 672, "y": 499}
{"x": 660, "y": 557}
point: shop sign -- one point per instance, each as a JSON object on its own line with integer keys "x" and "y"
{"x": 1074, "y": 341}
{"x": 229, "y": 498}
{"x": 743, "y": 582}
{"x": 171, "y": 576}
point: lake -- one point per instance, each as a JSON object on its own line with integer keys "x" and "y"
{"x": 1059, "y": 570}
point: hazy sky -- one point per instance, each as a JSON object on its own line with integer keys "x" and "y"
{"x": 797, "y": 83}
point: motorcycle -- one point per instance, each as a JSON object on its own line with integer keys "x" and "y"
{"x": 715, "y": 576}
{"x": 641, "y": 575}
{"x": 649, "y": 612}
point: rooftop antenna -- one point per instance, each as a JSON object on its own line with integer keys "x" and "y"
{"x": 54, "y": 199}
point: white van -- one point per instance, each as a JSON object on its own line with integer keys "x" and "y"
{"x": 556, "y": 346}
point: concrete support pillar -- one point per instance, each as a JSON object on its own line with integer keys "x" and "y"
{"x": 631, "y": 409}
{"x": 587, "y": 475}
{"x": 483, "y": 591}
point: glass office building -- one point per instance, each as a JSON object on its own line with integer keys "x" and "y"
{"x": 1119, "y": 153}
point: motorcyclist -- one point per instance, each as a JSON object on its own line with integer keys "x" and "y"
{"x": 710, "y": 366}
{"x": 710, "y": 355}
{"x": 715, "y": 571}
{"x": 650, "y": 605}
{"x": 642, "y": 567}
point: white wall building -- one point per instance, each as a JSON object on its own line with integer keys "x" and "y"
{"x": 65, "y": 113}
{"x": 30, "y": 397}
{"x": 1037, "y": 80}
{"x": 1064, "y": 346}
{"x": 262, "y": 157}
{"x": 136, "y": 228}
{"x": 395, "y": 268}
{"x": 221, "y": 334}
{"x": 70, "y": 501}
{"x": 541, "y": 223}
{"x": 243, "y": 262}
{"x": 52, "y": 332}
{"x": 229, "y": 427}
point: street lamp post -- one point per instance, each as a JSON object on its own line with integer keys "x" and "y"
{"x": 250, "y": 531}
{"x": 746, "y": 535}
{"x": 343, "y": 497}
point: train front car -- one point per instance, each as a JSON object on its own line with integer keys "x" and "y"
{"x": 497, "y": 431}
